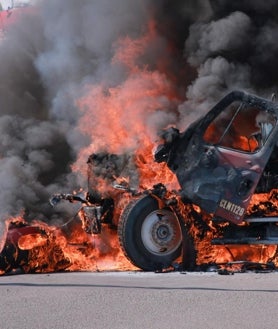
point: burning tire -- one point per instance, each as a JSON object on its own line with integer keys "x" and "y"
{"x": 153, "y": 238}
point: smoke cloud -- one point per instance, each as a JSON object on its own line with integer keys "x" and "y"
{"x": 234, "y": 48}
{"x": 66, "y": 63}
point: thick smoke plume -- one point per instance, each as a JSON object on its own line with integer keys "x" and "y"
{"x": 233, "y": 48}
{"x": 75, "y": 74}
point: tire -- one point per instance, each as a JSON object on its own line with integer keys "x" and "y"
{"x": 152, "y": 238}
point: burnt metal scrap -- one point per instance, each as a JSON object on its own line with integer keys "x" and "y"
{"x": 116, "y": 173}
{"x": 245, "y": 266}
{"x": 56, "y": 198}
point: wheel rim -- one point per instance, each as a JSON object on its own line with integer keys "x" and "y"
{"x": 161, "y": 233}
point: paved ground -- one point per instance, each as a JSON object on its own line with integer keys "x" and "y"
{"x": 139, "y": 300}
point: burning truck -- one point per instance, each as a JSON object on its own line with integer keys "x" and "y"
{"x": 226, "y": 166}
{"x": 222, "y": 162}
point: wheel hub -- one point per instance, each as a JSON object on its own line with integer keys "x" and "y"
{"x": 161, "y": 232}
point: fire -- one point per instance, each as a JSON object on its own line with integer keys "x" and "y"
{"x": 261, "y": 203}
{"x": 127, "y": 106}
{"x": 31, "y": 241}
{"x": 40, "y": 248}
{"x": 129, "y": 126}
{"x": 119, "y": 118}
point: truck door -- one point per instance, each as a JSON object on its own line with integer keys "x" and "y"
{"x": 228, "y": 154}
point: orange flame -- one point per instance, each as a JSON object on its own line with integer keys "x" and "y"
{"x": 119, "y": 119}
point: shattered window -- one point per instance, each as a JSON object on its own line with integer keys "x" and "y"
{"x": 241, "y": 127}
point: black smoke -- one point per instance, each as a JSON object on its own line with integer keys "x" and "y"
{"x": 234, "y": 48}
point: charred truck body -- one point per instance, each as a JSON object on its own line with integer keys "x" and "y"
{"x": 221, "y": 161}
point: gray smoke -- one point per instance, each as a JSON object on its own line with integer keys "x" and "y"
{"x": 46, "y": 57}
{"x": 49, "y": 57}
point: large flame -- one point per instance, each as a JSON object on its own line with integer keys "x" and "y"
{"x": 128, "y": 126}
{"x": 131, "y": 108}
{"x": 123, "y": 117}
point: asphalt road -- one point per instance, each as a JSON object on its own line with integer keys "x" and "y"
{"x": 139, "y": 300}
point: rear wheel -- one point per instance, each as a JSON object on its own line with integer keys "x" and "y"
{"x": 152, "y": 238}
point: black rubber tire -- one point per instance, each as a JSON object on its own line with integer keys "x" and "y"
{"x": 130, "y": 237}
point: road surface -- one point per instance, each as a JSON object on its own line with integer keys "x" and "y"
{"x": 134, "y": 300}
